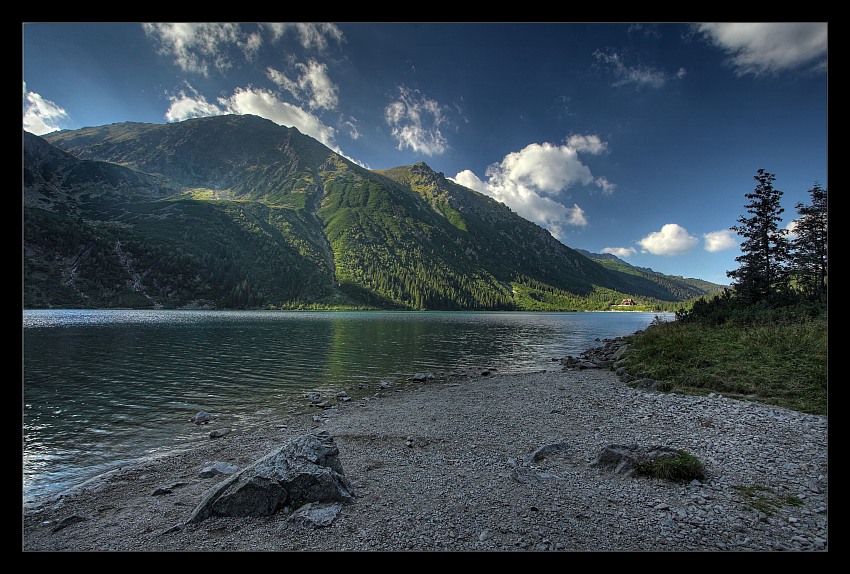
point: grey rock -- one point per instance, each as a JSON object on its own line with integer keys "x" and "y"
{"x": 306, "y": 469}
{"x": 217, "y": 433}
{"x": 623, "y": 459}
{"x": 313, "y": 515}
{"x": 545, "y": 451}
{"x": 202, "y": 418}
{"x": 218, "y": 468}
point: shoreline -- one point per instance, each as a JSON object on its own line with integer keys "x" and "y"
{"x": 442, "y": 466}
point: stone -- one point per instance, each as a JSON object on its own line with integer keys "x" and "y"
{"x": 306, "y": 469}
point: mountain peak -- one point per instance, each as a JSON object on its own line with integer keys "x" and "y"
{"x": 256, "y": 214}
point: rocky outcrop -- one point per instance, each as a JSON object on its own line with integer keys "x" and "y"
{"x": 603, "y": 357}
{"x": 305, "y": 470}
{"x": 611, "y": 355}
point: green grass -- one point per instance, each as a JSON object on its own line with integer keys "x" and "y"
{"x": 778, "y": 362}
{"x": 763, "y": 499}
{"x": 683, "y": 467}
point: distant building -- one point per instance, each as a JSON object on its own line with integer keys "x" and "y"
{"x": 628, "y": 302}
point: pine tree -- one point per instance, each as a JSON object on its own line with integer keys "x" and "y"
{"x": 809, "y": 248}
{"x": 765, "y": 249}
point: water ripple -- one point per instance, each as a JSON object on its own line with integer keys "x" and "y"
{"x": 107, "y": 386}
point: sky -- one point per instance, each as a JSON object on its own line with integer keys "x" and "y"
{"x": 636, "y": 139}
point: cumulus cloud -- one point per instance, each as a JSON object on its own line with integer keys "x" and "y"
{"x": 546, "y": 168}
{"x": 415, "y": 122}
{"x": 771, "y": 47}
{"x": 720, "y": 240}
{"x": 544, "y": 211}
{"x": 671, "y": 240}
{"x": 197, "y": 47}
{"x": 527, "y": 181}
{"x": 313, "y": 85}
{"x": 468, "y": 179}
{"x": 640, "y": 75}
{"x": 622, "y": 252}
{"x": 41, "y": 116}
{"x": 189, "y": 105}
{"x": 254, "y": 101}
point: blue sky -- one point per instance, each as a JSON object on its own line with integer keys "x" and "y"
{"x": 635, "y": 139}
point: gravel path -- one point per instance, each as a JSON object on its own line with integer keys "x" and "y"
{"x": 445, "y": 466}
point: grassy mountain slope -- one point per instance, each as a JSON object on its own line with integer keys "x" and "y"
{"x": 236, "y": 211}
{"x": 642, "y": 279}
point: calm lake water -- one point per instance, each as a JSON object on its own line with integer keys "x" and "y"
{"x": 101, "y": 388}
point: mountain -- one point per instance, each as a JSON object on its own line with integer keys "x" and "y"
{"x": 681, "y": 287}
{"x": 237, "y": 211}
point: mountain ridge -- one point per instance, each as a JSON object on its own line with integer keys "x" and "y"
{"x": 236, "y": 211}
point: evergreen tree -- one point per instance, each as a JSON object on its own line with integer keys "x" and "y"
{"x": 809, "y": 248}
{"x": 765, "y": 249}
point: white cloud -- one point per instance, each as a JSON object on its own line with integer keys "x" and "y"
{"x": 720, "y": 240}
{"x": 468, "y": 179}
{"x": 415, "y": 122}
{"x": 254, "y": 101}
{"x": 640, "y": 76}
{"x": 526, "y": 180}
{"x": 196, "y": 47}
{"x": 771, "y": 47}
{"x": 265, "y": 104}
{"x": 193, "y": 105}
{"x": 671, "y": 240}
{"x": 622, "y": 252}
{"x": 526, "y": 202}
{"x": 606, "y": 186}
{"x": 546, "y": 168}
{"x": 199, "y": 47}
{"x": 589, "y": 143}
{"x": 251, "y": 45}
{"x": 792, "y": 228}
{"x": 350, "y": 126}
{"x": 41, "y": 116}
{"x": 311, "y": 35}
{"x": 314, "y": 83}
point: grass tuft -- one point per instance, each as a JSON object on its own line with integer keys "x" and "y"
{"x": 681, "y": 467}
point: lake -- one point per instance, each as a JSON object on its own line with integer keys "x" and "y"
{"x": 105, "y": 387}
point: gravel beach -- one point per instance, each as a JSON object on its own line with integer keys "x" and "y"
{"x": 447, "y": 465}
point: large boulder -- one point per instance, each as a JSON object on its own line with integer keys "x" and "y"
{"x": 305, "y": 470}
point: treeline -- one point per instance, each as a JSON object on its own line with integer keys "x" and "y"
{"x": 783, "y": 273}
{"x": 765, "y": 338}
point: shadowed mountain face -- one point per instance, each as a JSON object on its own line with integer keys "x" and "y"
{"x": 236, "y": 211}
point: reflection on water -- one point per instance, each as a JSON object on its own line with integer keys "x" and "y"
{"x": 104, "y": 387}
